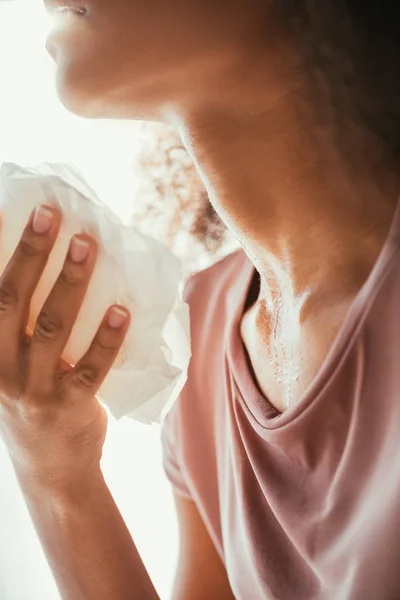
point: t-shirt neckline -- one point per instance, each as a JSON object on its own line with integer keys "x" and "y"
{"x": 265, "y": 414}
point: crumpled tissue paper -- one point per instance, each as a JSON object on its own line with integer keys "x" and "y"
{"x": 132, "y": 269}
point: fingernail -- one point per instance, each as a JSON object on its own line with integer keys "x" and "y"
{"x": 78, "y": 250}
{"x": 117, "y": 317}
{"x": 42, "y": 220}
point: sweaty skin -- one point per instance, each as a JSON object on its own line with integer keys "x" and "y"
{"x": 227, "y": 76}
{"x": 226, "y": 79}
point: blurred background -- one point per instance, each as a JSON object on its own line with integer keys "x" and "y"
{"x": 144, "y": 174}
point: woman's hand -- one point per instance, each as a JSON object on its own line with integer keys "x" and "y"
{"x": 52, "y": 424}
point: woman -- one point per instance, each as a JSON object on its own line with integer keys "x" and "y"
{"x": 283, "y": 448}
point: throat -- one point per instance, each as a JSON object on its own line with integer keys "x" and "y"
{"x": 272, "y": 341}
{"x": 286, "y": 354}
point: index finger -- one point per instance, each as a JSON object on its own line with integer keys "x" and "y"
{"x": 21, "y": 276}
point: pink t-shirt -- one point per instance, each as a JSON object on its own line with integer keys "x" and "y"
{"x": 302, "y": 505}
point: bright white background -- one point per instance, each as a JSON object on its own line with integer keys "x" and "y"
{"x": 34, "y": 127}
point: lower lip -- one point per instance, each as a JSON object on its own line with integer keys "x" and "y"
{"x": 80, "y": 12}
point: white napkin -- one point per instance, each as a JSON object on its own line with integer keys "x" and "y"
{"x": 133, "y": 270}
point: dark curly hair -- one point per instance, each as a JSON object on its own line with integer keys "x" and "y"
{"x": 350, "y": 52}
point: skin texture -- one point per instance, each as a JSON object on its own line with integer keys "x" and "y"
{"x": 312, "y": 224}
{"x": 228, "y": 81}
{"x": 200, "y": 573}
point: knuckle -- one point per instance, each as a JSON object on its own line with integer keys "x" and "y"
{"x": 72, "y": 277}
{"x": 35, "y": 413}
{"x": 88, "y": 375}
{"x": 106, "y": 345}
{"x": 9, "y": 389}
{"x": 25, "y": 409}
{"x": 28, "y": 249}
{"x": 48, "y": 326}
{"x": 8, "y": 297}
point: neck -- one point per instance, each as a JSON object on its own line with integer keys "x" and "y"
{"x": 312, "y": 226}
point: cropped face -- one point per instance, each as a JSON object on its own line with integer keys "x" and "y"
{"x": 129, "y": 58}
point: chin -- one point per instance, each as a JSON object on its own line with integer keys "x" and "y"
{"x": 97, "y": 98}
{"x": 78, "y": 100}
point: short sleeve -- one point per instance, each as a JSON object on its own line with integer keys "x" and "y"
{"x": 171, "y": 451}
